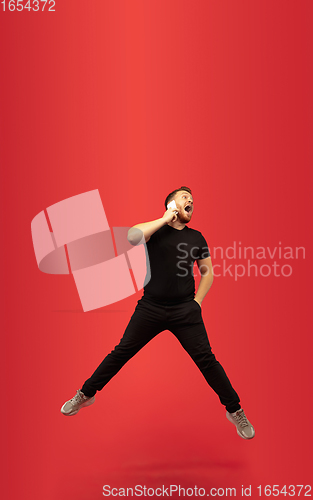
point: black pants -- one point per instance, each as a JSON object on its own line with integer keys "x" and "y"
{"x": 186, "y": 323}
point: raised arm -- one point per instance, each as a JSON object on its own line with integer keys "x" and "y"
{"x": 146, "y": 229}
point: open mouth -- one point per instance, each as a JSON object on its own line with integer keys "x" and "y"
{"x": 188, "y": 208}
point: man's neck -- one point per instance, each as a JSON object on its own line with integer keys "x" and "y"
{"x": 177, "y": 225}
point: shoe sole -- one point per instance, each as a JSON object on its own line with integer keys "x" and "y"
{"x": 238, "y": 432}
{"x": 88, "y": 403}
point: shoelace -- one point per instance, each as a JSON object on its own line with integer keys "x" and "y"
{"x": 77, "y": 398}
{"x": 241, "y": 419}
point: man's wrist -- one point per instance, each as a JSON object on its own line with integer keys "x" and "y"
{"x": 164, "y": 221}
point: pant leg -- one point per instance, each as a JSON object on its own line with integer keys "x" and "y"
{"x": 188, "y": 327}
{"x": 145, "y": 323}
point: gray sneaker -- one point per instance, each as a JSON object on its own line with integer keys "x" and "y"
{"x": 239, "y": 419}
{"x": 73, "y": 406}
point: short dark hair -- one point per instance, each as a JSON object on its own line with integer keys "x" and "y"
{"x": 170, "y": 196}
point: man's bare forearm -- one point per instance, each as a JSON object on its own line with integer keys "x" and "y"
{"x": 203, "y": 288}
{"x": 145, "y": 228}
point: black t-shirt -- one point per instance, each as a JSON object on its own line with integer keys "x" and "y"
{"x": 172, "y": 253}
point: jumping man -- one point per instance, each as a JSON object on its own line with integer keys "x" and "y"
{"x": 169, "y": 302}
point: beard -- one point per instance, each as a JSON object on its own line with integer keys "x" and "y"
{"x": 183, "y": 216}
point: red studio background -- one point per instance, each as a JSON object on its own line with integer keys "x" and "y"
{"x": 136, "y": 98}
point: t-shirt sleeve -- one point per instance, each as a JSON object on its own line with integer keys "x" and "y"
{"x": 203, "y": 252}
